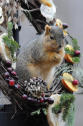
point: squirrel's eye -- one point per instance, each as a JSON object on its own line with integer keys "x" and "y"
{"x": 52, "y": 37}
{"x": 60, "y": 46}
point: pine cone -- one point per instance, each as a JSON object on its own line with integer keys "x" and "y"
{"x": 35, "y": 87}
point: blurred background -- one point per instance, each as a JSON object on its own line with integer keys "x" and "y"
{"x": 70, "y": 12}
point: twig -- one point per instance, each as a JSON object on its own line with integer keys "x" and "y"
{"x": 26, "y": 10}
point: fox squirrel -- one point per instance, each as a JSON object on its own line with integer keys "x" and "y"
{"x": 40, "y": 56}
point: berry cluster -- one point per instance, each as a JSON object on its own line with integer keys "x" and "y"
{"x": 9, "y": 74}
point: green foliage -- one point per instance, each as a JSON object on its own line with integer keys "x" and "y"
{"x": 75, "y": 44}
{"x": 9, "y": 41}
{"x": 10, "y": 27}
{"x": 36, "y": 112}
{"x": 78, "y": 74}
{"x": 39, "y": 111}
{"x": 44, "y": 111}
{"x": 12, "y": 44}
{"x": 57, "y": 108}
{"x": 71, "y": 52}
{"x": 76, "y": 59}
{"x": 67, "y": 97}
{"x": 65, "y": 103}
{"x": 71, "y": 115}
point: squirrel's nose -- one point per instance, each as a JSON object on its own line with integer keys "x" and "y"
{"x": 52, "y": 37}
{"x": 59, "y": 46}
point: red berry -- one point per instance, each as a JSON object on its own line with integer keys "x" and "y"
{"x": 11, "y": 82}
{"x": 75, "y": 82}
{"x": 13, "y": 73}
{"x": 41, "y": 100}
{"x": 24, "y": 96}
{"x": 77, "y": 52}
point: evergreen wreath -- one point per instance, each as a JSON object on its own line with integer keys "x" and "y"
{"x": 33, "y": 97}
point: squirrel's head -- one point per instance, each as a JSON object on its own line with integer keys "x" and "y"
{"x": 54, "y": 38}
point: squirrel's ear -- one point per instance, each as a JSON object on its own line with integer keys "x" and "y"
{"x": 47, "y": 29}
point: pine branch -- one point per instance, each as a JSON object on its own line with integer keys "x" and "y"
{"x": 67, "y": 51}
{"x": 65, "y": 103}
{"x": 76, "y": 59}
{"x": 74, "y": 42}
{"x": 9, "y": 41}
{"x": 11, "y": 44}
{"x": 71, "y": 115}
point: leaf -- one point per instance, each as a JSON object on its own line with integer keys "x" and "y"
{"x": 7, "y": 41}
{"x": 71, "y": 115}
{"x": 67, "y": 51}
{"x": 65, "y": 102}
{"x": 75, "y": 44}
{"x": 57, "y": 108}
{"x": 67, "y": 97}
{"x": 36, "y": 112}
{"x": 10, "y": 27}
{"x": 44, "y": 111}
{"x": 76, "y": 59}
{"x": 12, "y": 45}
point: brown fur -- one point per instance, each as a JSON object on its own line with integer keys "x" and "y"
{"x": 41, "y": 56}
{"x": 51, "y": 59}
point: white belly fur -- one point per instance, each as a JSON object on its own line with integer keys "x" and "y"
{"x": 50, "y": 77}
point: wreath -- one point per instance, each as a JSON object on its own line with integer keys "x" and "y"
{"x": 33, "y": 97}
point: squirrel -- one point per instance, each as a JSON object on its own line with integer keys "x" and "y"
{"x": 40, "y": 57}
